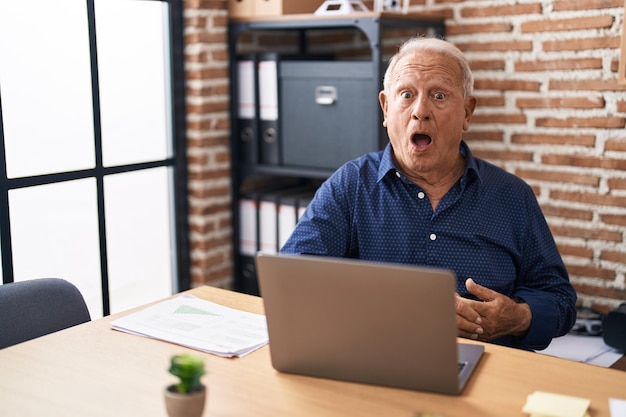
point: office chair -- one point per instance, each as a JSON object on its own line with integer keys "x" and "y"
{"x": 33, "y": 308}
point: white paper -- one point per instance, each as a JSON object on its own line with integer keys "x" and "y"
{"x": 580, "y": 348}
{"x": 198, "y": 324}
{"x": 617, "y": 407}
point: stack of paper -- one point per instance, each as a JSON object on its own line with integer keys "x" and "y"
{"x": 198, "y": 324}
{"x": 545, "y": 404}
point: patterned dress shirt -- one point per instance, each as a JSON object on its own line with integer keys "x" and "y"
{"x": 488, "y": 226}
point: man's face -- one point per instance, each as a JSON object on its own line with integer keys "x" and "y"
{"x": 425, "y": 113}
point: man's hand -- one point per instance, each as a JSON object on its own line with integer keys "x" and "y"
{"x": 495, "y": 316}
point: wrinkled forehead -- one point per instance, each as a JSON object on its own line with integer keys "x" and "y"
{"x": 429, "y": 63}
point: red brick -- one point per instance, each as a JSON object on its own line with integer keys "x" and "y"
{"x": 618, "y": 145}
{"x": 545, "y": 139}
{"x": 577, "y": 251}
{"x": 613, "y": 256}
{"x": 506, "y": 85}
{"x": 502, "y": 46}
{"x": 616, "y": 183}
{"x": 602, "y": 308}
{"x": 578, "y": 122}
{"x": 559, "y": 64}
{"x": 563, "y": 5}
{"x": 481, "y": 135}
{"x": 560, "y": 102}
{"x": 577, "y": 23}
{"x": 491, "y": 101}
{"x": 567, "y": 212}
{"x": 584, "y": 85}
{"x": 469, "y": 29}
{"x": 489, "y": 118}
{"x": 593, "y": 199}
{"x": 492, "y": 155}
{"x": 487, "y": 64}
{"x": 582, "y": 44}
{"x": 504, "y": 10}
{"x": 591, "y": 271}
{"x": 614, "y": 219}
{"x": 584, "y": 161}
{"x": 558, "y": 176}
{"x": 596, "y": 290}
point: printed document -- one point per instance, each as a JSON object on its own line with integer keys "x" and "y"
{"x": 198, "y": 324}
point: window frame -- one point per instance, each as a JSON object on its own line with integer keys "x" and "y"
{"x": 178, "y": 161}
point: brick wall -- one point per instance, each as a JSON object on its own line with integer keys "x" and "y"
{"x": 550, "y": 111}
{"x": 208, "y": 142}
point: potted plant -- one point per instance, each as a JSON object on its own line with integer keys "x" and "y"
{"x": 187, "y": 397}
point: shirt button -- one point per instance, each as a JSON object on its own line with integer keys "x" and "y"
{"x": 433, "y": 236}
{"x": 397, "y": 174}
{"x": 421, "y": 195}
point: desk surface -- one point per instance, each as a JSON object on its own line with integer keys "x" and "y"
{"x": 91, "y": 370}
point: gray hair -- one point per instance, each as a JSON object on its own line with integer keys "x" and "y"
{"x": 420, "y": 43}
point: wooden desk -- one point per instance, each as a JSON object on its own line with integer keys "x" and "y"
{"x": 620, "y": 364}
{"x": 91, "y": 370}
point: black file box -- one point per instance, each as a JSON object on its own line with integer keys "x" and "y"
{"x": 327, "y": 110}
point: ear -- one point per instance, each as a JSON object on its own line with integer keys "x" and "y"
{"x": 470, "y": 106}
{"x": 382, "y": 98}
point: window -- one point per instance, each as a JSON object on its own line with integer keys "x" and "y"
{"x": 92, "y": 148}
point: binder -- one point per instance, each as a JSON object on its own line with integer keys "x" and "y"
{"x": 270, "y": 221}
{"x": 290, "y": 209}
{"x": 269, "y": 135}
{"x": 248, "y": 208}
{"x": 247, "y": 133}
{"x": 287, "y": 218}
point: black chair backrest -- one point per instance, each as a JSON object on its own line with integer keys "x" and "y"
{"x": 33, "y": 308}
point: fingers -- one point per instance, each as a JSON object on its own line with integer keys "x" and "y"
{"x": 499, "y": 314}
{"x": 468, "y": 321}
{"x": 479, "y": 291}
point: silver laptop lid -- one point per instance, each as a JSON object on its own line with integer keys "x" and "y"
{"x": 361, "y": 321}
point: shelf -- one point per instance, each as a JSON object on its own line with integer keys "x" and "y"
{"x": 311, "y": 20}
{"x": 372, "y": 25}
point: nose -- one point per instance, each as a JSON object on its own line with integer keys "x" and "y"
{"x": 421, "y": 108}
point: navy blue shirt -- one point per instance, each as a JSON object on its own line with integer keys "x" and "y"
{"x": 488, "y": 226}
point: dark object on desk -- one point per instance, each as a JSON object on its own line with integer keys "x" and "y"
{"x": 615, "y": 328}
{"x": 33, "y": 308}
{"x": 588, "y": 322}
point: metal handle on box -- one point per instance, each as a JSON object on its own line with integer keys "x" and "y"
{"x": 325, "y": 95}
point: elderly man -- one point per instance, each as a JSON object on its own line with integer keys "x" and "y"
{"x": 426, "y": 200}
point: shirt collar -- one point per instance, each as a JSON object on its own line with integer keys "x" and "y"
{"x": 387, "y": 164}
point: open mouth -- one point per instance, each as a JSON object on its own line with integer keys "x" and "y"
{"x": 421, "y": 140}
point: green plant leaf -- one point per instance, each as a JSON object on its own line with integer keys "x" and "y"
{"x": 188, "y": 368}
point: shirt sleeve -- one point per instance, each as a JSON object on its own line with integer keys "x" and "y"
{"x": 543, "y": 282}
{"x": 324, "y": 229}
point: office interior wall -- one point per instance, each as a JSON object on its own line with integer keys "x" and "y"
{"x": 550, "y": 111}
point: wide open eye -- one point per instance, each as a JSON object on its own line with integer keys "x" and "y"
{"x": 439, "y": 96}
{"x": 405, "y": 95}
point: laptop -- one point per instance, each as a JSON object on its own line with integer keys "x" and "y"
{"x": 366, "y": 322}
